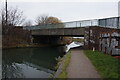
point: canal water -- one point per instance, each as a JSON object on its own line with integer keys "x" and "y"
{"x": 30, "y": 62}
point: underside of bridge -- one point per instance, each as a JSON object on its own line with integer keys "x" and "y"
{"x": 55, "y": 36}
{"x": 46, "y": 39}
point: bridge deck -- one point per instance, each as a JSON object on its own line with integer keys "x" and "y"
{"x": 60, "y": 32}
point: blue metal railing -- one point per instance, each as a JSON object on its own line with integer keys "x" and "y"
{"x": 113, "y": 22}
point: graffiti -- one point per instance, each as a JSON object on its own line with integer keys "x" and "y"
{"x": 86, "y": 37}
{"x": 103, "y": 39}
{"x": 109, "y": 43}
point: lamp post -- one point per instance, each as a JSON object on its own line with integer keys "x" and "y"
{"x": 6, "y": 11}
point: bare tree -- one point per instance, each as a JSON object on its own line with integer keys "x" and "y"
{"x": 28, "y": 23}
{"x": 41, "y": 20}
{"x": 14, "y": 18}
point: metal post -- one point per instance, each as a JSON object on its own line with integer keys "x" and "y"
{"x": 80, "y": 24}
{"x": 76, "y": 23}
{"x": 105, "y": 22}
{"x": 98, "y": 22}
{"x": 91, "y": 23}
{"x": 6, "y": 11}
{"x": 118, "y": 25}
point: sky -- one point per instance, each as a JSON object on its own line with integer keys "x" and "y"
{"x": 66, "y": 10}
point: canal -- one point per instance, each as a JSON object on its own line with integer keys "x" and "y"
{"x": 30, "y": 62}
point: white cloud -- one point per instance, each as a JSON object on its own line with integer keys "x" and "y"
{"x": 67, "y": 11}
{"x": 62, "y": 0}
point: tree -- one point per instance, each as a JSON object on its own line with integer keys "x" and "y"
{"x": 14, "y": 18}
{"x": 53, "y": 20}
{"x": 49, "y": 22}
{"x": 44, "y": 19}
{"x": 28, "y": 23}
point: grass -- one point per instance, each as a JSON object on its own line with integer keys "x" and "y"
{"x": 65, "y": 62}
{"x": 107, "y": 66}
{"x": 63, "y": 75}
{"x": 77, "y": 39}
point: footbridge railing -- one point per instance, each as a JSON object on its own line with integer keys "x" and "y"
{"x": 113, "y": 22}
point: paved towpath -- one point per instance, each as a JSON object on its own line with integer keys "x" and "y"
{"x": 80, "y": 66}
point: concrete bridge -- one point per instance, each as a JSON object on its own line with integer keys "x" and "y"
{"x": 75, "y": 28}
{"x": 101, "y": 34}
{"x": 76, "y": 32}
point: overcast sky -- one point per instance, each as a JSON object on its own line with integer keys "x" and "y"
{"x": 65, "y": 10}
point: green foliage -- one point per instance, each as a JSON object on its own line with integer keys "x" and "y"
{"x": 106, "y": 65}
{"x": 63, "y": 75}
{"x": 51, "y": 76}
{"x": 66, "y": 61}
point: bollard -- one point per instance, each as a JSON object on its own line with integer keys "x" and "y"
{"x": 93, "y": 48}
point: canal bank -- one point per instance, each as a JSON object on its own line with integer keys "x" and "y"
{"x": 64, "y": 62}
{"x": 29, "y": 62}
{"x": 31, "y": 46}
{"x": 88, "y": 64}
{"x": 61, "y": 66}
{"x": 75, "y": 64}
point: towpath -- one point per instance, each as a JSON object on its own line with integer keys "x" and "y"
{"x": 80, "y": 66}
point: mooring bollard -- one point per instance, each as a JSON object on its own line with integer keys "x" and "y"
{"x": 93, "y": 48}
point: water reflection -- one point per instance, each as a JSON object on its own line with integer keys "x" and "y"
{"x": 29, "y": 62}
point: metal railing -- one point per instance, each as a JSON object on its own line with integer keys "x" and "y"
{"x": 110, "y": 22}
{"x": 113, "y": 22}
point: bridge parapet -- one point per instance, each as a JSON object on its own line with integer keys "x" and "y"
{"x": 113, "y": 22}
{"x": 79, "y": 32}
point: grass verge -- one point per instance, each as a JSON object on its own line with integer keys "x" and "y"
{"x": 63, "y": 64}
{"x": 107, "y": 66}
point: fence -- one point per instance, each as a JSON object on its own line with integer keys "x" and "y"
{"x": 110, "y": 22}
{"x": 113, "y": 22}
